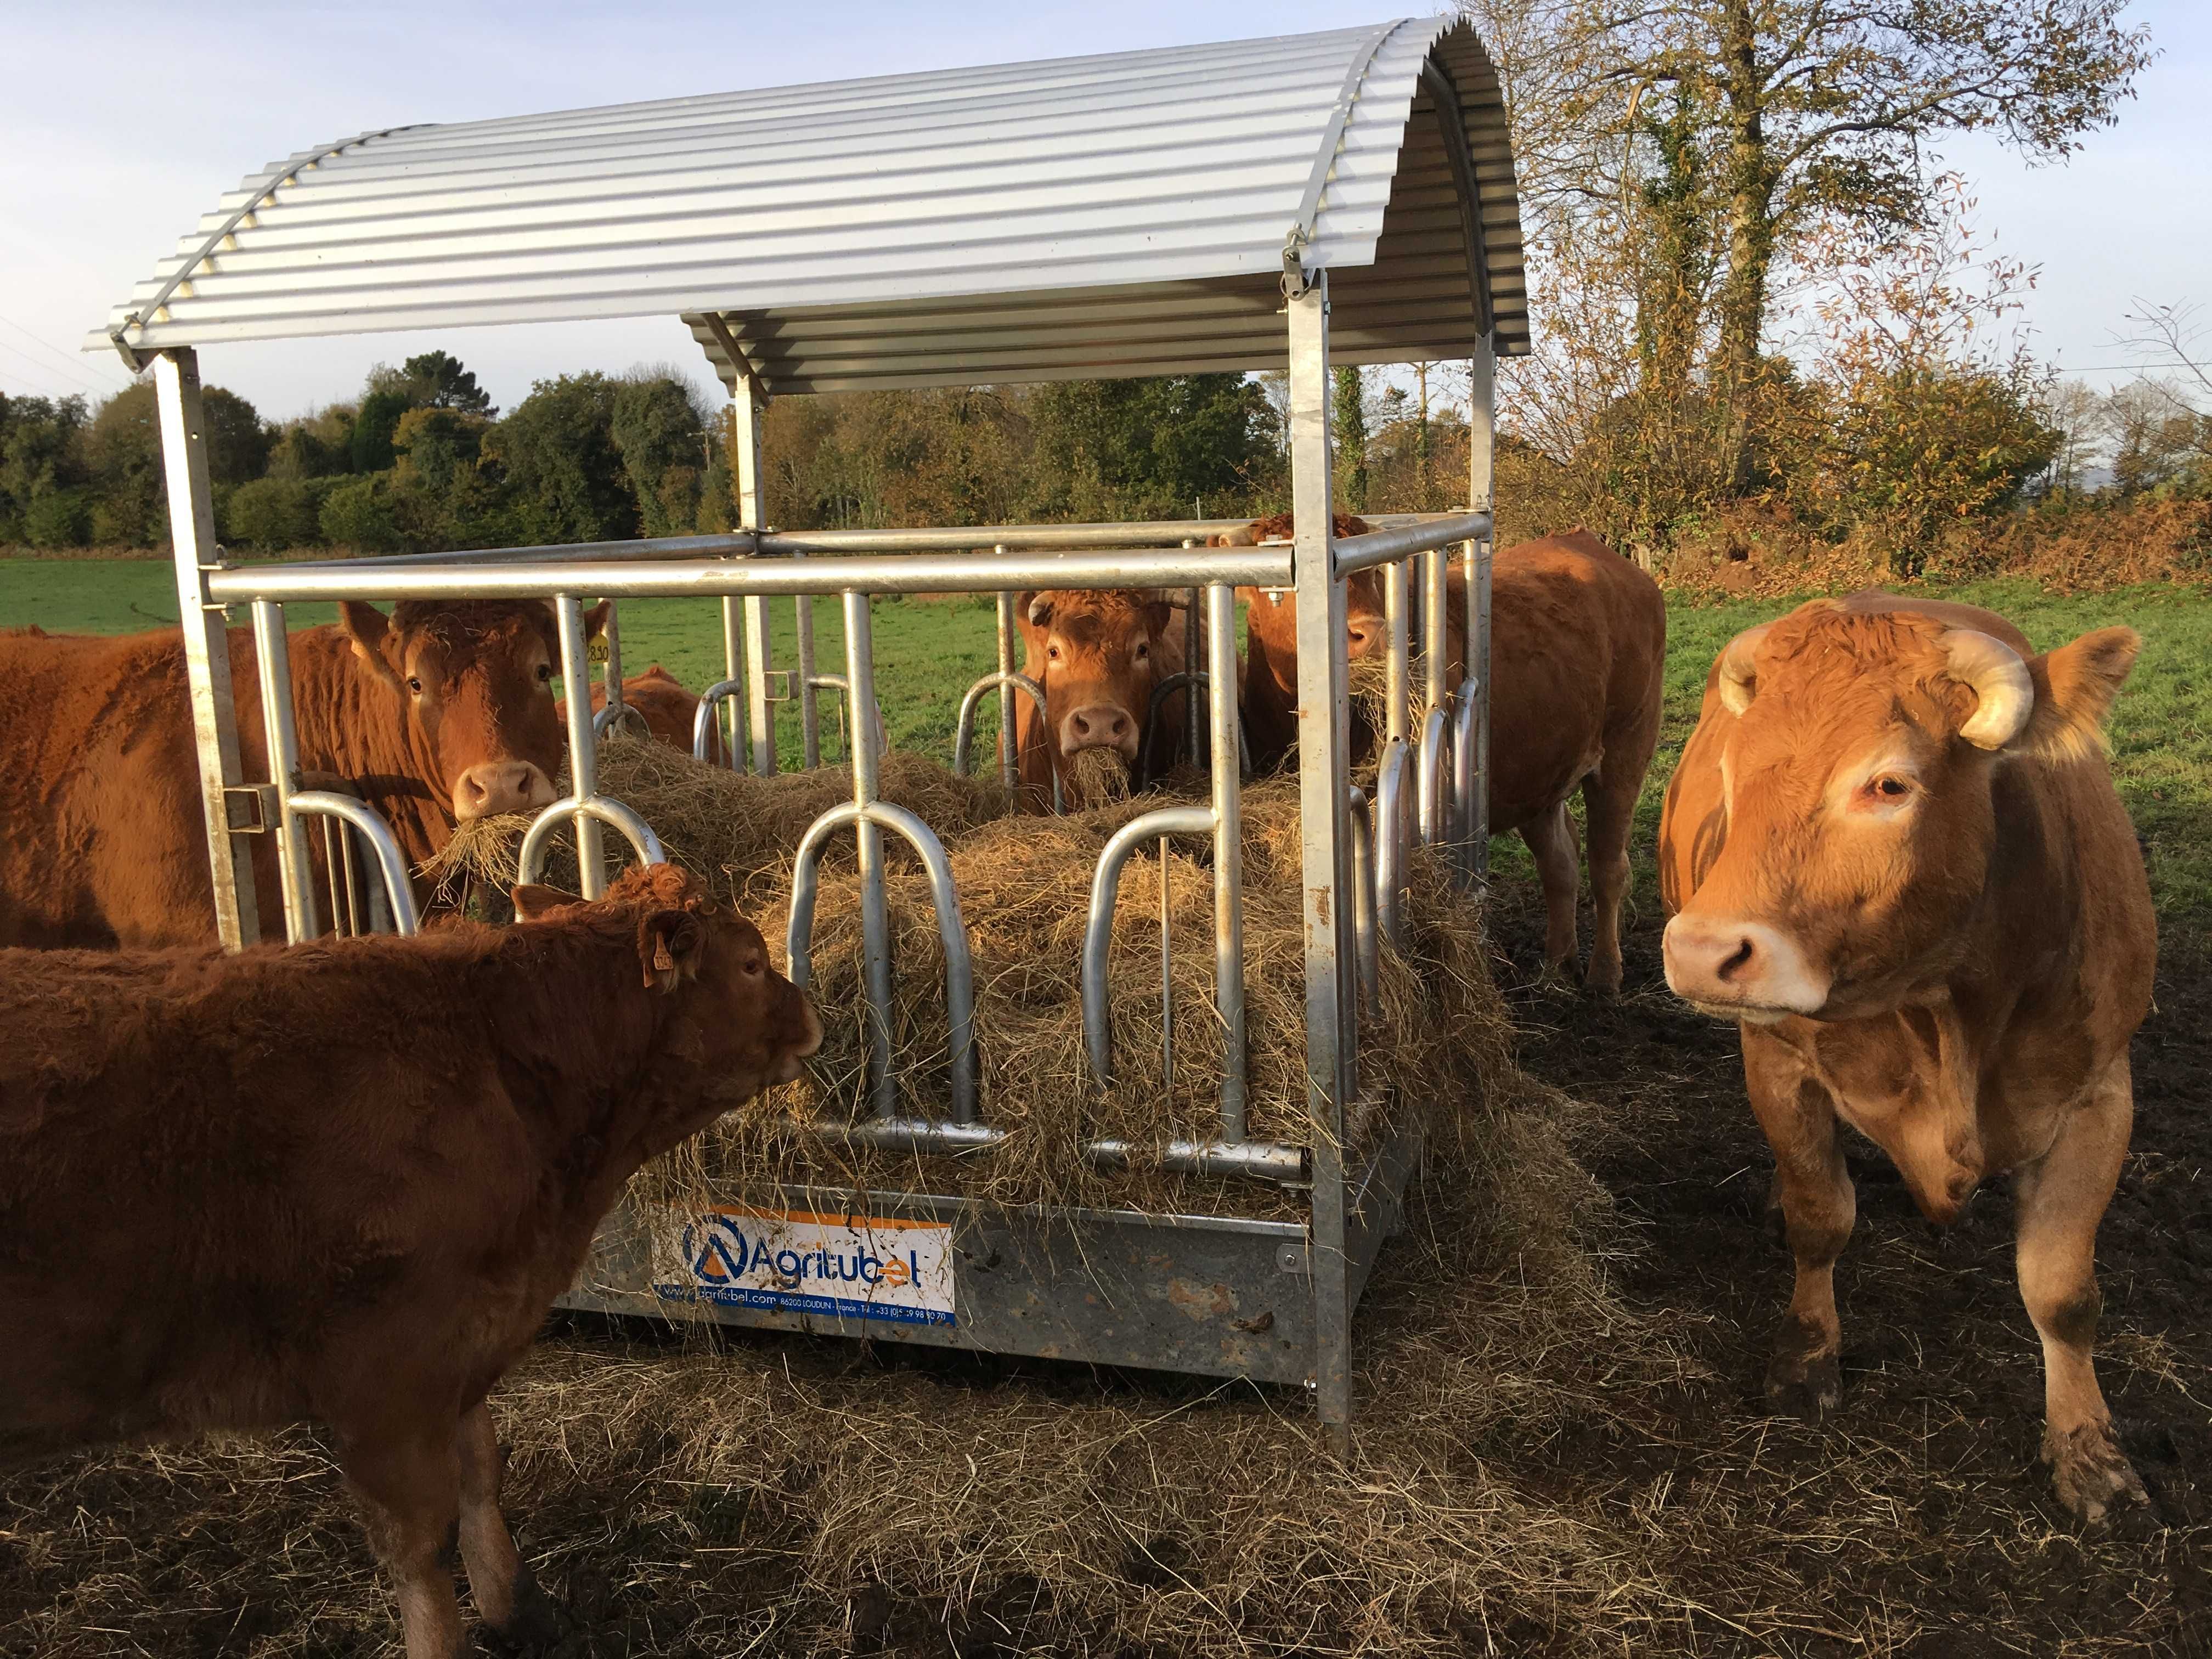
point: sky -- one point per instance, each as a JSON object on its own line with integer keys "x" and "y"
{"x": 125, "y": 122}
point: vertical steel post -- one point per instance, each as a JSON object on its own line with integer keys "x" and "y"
{"x": 1228, "y": 859}
{"x": 1192, "y": 651}
{"x": 1482, "y": 433}
{"x": 1324, "y": 741}
{"x": 583, "y": 751}
{"x": 1009, "y": 754}
{"x": 280, "y": 739}
{"x": 760, "y": 714}
{"x": 810, "y": 697}
{"x": 1435, "y": 568}
{"x": 610, "y": 671}
{"x": 207, "y": 640}
{"x": 875, "y": 918}
{"x": 1395, "y": 602}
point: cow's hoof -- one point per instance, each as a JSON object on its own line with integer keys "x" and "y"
{"x": 1805, "y": 1388}
{"x": 538, "y": 1625}
{"x": 1603, "y": 981}
{"x": 2096, "y": 1483}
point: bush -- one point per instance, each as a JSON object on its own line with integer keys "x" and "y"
{"x": 272, "y": 513}
{"x": 358, "y": 514}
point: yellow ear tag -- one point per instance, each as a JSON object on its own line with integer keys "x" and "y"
{"x": 596, "y": 651}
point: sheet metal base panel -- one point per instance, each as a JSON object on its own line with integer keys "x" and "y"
{"x": 1213, "y": 1296}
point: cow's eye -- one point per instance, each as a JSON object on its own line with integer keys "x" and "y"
{"x": 1144, "y": 653}
{"x": 544, "y": 672}
{"x": 415, "y": 685}
{"x": 1889, "y": 786}
{"x": 1052, "y": 654}
{"x": 752, "y": 967}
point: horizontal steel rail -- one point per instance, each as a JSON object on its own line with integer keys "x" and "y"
{"x": 1357, "y": 553}
{"x": 944, "y": 573}
{"x": 1017, "y": 536}
{"x": 1266, "y": 1160}
{"x": 733, "y": 544}
{"x": 362, "y": 819}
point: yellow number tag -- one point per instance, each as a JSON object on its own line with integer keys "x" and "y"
{"x": 596, "y": 651}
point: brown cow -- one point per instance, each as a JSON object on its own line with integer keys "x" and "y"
{"x": 1098, "y": 656}
{"x": 1577, "y": 654}
{"x": 343, "y": 1183}
{"x": 1894, "y": 855}
{"x": 437, "y": 713}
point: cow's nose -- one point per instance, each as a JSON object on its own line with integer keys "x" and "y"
{"x": 1102, "y": 725}
{"x": 1360, "y": 638}
{"x": 1729, "y": 963}
{"x": 493, "y": 786}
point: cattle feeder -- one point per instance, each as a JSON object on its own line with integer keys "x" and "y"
{"x": 1294, "y": 203}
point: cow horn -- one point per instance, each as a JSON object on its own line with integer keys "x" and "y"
{"x": 1738, "y": 679}
{"x": 2004, "y": 695}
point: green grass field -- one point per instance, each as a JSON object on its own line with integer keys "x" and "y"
{"x": 929, "y": 651}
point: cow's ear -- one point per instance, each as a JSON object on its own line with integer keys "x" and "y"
{"x": 2075, "y": 687}
{"x": 533, "y": 901}
{"x": 595, "y": 619}
{"x": 670, "y": 944}
{"x": 369, "y": 629}
{"x": 1158, "y": 613}
{"x": 1036, "y": 607}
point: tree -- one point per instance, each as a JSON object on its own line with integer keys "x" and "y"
{"x": 556, "y": 451}
{"x": 1811, "y": 111}
{"x": 1148, "y": 448}
{"x": 1347, "y": 418}
{"x": 42, "y": 470}
{"x": 662, "y": 439}
{"x": 437, "y": 381}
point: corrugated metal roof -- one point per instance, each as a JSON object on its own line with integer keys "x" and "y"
{"x": 1125, "y": 214}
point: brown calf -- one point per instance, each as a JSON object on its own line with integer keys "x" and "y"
{"x": 438, "y": 712}
{"x": 343, "y": 1183}
{"x": 1895, "y": 857}
{"x": 669, "y": 710}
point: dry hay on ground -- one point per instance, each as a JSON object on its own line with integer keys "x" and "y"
{"x": 1435, "y": 1039}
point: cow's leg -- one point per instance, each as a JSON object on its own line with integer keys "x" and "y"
{"x": 1551, "y": 838}
{"x": 408, "y": 1475}
{"x": 1609, "y": 804}
{"x": 507, "y": 1592}
{"x": 2060, "y": 1199}
{"x": 1804, "y": 1376}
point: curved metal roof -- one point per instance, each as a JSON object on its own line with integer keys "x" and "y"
{"x": 1127, "y": 213}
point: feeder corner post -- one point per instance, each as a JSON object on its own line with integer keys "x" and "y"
{"x": 746, "y": 408}
{"x": 1482, "y": 438}
{"x": 207, "y": 641}
{"x": 1324, "y": 741}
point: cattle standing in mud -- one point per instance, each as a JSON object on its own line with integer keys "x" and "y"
{"x": 1894, "y": 854}
{"x": 1577, "y": 660}
{"x": 1098, "y": 656}
{"x": 439, "y": 713}
{"x": 345, "y": 1182}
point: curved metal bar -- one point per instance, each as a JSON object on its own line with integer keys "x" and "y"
{"x": 1435, "y": 734}
{"x": 703, "y": 721}
{"x": 606, "y": 717}
{"x": 1393, "y": 838}
{"x": 944, "y": 898}
{"x": 1166, "y": 687}
{"x": 964, "y": 734}
{"x": 1098, "y": 933}
{"x": 1463, "y": 778}
{"x": 362, "y": 818}
{"x": 1363, "y": 898}
{"x": 635, "y": 830}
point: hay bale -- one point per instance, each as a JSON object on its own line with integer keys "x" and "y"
{"x": 1435, "y": 1041}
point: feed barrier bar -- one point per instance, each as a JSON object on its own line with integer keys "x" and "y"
{"x": 809, "y": 683}
{"x": 585, "y": 805}
{"x": 362, "y": 819}
{"x": 1433, "y": 787}
{"x": 1393, "y": 838}
{"x": 1357, "y": 553}
{"x": 1363, "y": 899}
{"x": 1165, "y": 567}
{"x": 964, "y": 730}
{"x": 272, "y": 661}
{"x": 707, "y": 716}
{"x": 1010, "y": 758}
{"x": 1435, "y": 637}
{"x": 1465, "y": 784}
{"x": 1098, "y": 931}
{"x": 1227, "y": 738}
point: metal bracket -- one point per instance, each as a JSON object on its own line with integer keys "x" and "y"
{"x": 1292, "y": 1259}
{"x": 778, "y": 681}
{"x": 249, "y": 809}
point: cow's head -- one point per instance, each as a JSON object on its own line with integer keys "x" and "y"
{"x": 471, "y": 678}
{"x": 1097, "y": 655}
{"x": 728, "y": 1025}
{"x": 1271, "y": 617}
{"x": 1861, "y": 762}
